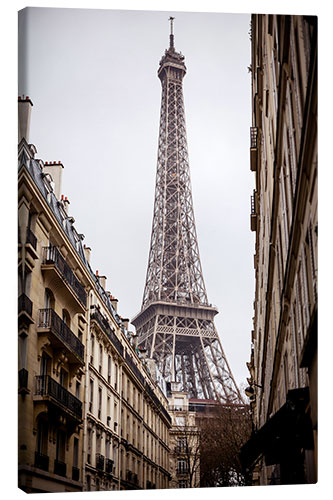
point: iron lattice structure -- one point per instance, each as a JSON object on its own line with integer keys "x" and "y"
{"x": 176, "y": 322}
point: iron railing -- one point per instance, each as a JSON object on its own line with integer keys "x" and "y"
{"x": 24, "y": 304}
{"x": 253, "y": 204}
{"x": 75, "y": 473}
{"x": 41, "y": 461}
{"x": 253, "y": 137}
{"x": 23, "y": 378}
{"x": 108, "y": 465}
{"x": 47, "y": 386}
{"x": 99, "y": 462}
{"x": 31, "y": 238}
{"x": 59, "y": 468}
{"x": 48, "y": 318}
{"x": 103, "y": 323}
{"x": 53, "y": 256}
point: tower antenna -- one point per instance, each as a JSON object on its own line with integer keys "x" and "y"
{"x": 172, "y": 46}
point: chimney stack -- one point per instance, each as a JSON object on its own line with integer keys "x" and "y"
{"x": 54, "y": 168}
{"x": 102, "y": 281}
{"x": 113, "y": 300}
{"x": 87, "y": 252}
{"x": 24, "y": 115}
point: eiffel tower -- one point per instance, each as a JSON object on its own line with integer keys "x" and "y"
{"x": 176, "y": 322}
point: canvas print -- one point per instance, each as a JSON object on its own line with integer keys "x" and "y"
{"x": 143, "y": 137}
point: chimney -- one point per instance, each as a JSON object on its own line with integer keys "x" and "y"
{"x": 66, "y": 203}
{"x": 87, "y": 252}
{"x": 114, "y": 302}
{"x": 102, "y": 281}
{"x": 24, "y": 115}
{"x": 54, "y": 168}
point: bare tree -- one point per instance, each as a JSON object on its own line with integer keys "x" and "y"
{"x": 222, "y": 434}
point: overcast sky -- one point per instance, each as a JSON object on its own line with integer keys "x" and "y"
{"x": 92, "y": 77}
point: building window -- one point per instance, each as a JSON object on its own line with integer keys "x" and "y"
{"x": 181, "y": 444}
{"x": 91, "y": 396}
{"x": 76, "y": 453}
{"x": 92, "y": 349}
{"x": 109, "y": 369}
{"x": 99, "y": 402}
{"x": 179, "y": 403}
{"x": 115, "y": 376}
{"x": 182, "y": 483}
{"x": 61, "y": 446}
{"x": 42, "y": 437}
{"x": 181, "y": 466}
{"x": 63, "y": 380}
{"x": 100, "y": 358}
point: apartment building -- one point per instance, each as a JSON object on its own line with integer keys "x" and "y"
{"x": 184, "y": 440}
{"x": 91, "y": 415}
{"x": 283, "y": 157}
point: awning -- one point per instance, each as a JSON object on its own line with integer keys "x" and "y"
{"x": 288, "y": 429}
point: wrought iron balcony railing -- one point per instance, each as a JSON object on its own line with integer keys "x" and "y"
{"x": 103, "y": 323}
{"x": 99, "y": 462}
{"x": 24, "y": 304}
{"x": 53, "y": 256}
{"x": 59, "y": 468}
{"x": 253, "y": 137}
{"x": 48, "y": 318}
{"x": 75, "y": 473}
{"x": 47, "y": 386}
{"x": 108, "y": 465}
{"x": 41, "y": 461}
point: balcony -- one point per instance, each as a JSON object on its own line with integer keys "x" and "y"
{"x": 99, "y": 462}
{"x": 60, "y": 335}
{"x": 41, "y": 461}
{"x": 23, "y": 381}
{"x": 24, "y": 310}
{"x": 108, "y": 465}
{"x": 31, "y": 248}
{"x": 253, "y": 148}
{"x": 59, "y": 273}
{"x": 59, "y": 468}
{"x": 75, "y": 474}
{"x": 106, "y": 328}
{"x": 49, "y": 390}
{"x": 253, "y": 212}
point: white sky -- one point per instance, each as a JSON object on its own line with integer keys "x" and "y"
{"x": 92, "y": 76}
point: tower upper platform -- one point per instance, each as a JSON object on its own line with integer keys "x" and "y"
{"x": 172, "y": 63}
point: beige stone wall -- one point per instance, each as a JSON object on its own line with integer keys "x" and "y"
{"x": 284, "y": 114}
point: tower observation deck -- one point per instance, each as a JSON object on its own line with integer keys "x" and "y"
{"x": 176, "y": 321}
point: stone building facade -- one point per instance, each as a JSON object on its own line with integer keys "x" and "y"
{"x": 184, "y": 440}
{"x": 283, "y": 156}
{"x": 91, "y": 416}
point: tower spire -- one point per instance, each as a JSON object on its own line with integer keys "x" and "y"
{"x": 172, "y": 45}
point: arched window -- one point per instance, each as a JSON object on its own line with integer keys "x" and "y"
{"x": 48, "y": 299}
{"x": 66, "y": 317}
{"x": 45, "y": 364}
